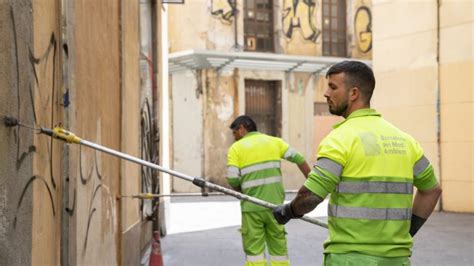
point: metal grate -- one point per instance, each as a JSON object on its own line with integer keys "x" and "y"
{"x": 263, "y": 104}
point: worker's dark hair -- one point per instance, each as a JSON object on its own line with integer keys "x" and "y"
{"x": 246, "y": 122}
{"x": 357, "y": 74}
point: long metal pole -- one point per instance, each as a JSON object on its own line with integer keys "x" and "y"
{"x": 71, "y": 138}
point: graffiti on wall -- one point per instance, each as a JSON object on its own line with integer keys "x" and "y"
{"x": 36, "y": 63}
{"x": 300, "y": 15}
{"x": 92, "y": 161}
{"x": 224, "y": 10}
{"x": 46, "y": 107}
{"x": 149, "y": 153}
{"x": 363, "y": 29}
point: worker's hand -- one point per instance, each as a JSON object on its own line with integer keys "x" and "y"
{"x": 283, "y": 213}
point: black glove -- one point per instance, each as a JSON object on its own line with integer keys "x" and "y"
{"x": 283, "y": 213}
{"x": 416, "y": 223}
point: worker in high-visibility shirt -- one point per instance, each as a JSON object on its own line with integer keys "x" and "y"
{"x": 370, "y": 168}
{"x": 253, "y": 168}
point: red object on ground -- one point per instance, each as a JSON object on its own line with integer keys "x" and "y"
{"x": 155, "y": 255}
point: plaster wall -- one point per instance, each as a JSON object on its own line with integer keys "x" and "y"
{"x": 96, "y": 116}
{"x": 130, "y": 112}
{"x": 457, "y": 104}
{"x": 359, "y": 29}
{"x": 16, "y": 144}
{"x": 301, "y": 87}
{"x": 187, "y": 130}
{"x": 193, "y": 26}
{"x": 134, "y": 115}
{"x": 47, "y": 161}
{"x": 298, "y": 27}
{"x": 220, "y": 94}
{"x": 58, "y": 202}
{"x": 406, "y": 74}
{"x": 225, "y": 102}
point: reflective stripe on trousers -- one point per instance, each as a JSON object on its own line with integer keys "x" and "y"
{"x": 279, "y": 261}
{"x": 257, "y": 260}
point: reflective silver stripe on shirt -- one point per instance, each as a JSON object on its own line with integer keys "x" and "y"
{"x": 233, "y": 171}
{"x": 318, "y": 173}
{"x": 374, "y": 187}
{"x": 369, "y": 213}
{"x": 259, "y": 166}
{"x": 329, "y": 165}
{"x": 420, "y": 165}
{"x": 261, "y": 182}
{"x": 279, "y": 258}
{"x": 255, "y": 258}
{"x": 289, "y": 153}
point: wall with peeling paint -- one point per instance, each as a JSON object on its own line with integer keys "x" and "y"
{"x": 187, "y": 129}
{"x": 297, "y": 31}
{"x": 220, "y": 94}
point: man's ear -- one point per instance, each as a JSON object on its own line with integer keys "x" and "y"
{"x": 354, "y": 94}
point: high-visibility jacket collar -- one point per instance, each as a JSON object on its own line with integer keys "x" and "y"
{"x": 358, "y": 113}
{"x": 251, "y": 134}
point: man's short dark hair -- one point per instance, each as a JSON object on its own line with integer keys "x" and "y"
{"x": 246, "y": 122}
{"x": 357, "y": 74}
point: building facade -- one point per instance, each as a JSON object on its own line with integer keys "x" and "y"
{"x": 262, "y": 58}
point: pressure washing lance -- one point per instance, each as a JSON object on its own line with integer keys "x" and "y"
{"x": 69, "y": 137}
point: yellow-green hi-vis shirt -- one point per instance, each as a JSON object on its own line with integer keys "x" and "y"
{"x": 369, "y": 167}
{"x": 253, "y": 164}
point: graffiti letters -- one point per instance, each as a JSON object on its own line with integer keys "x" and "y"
{"x": 363, "y": 29}
{"x": 300, "y": 15}
{"x": 225, "y": 10}
{"x": 36, "y": 62}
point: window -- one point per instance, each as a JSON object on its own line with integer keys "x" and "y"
{"x": 334, "y": 28}
{"x": 258, "y": 25}
{"x": 263, "y": 105}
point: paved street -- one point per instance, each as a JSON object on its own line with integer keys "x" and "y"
{"x": 446, "y": 239}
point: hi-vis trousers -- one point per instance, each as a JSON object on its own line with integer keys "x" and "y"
{"x": 356, "y": 259}
{"x": 260, "y": 229}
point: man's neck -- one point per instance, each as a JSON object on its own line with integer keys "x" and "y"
{"x": 354, "y": 107}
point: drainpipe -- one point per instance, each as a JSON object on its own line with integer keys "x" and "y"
{"x": 234, "y": 13}
{"x": 438, "y": 97}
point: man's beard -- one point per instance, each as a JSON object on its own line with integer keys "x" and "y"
{"x": 339, "y": 110}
